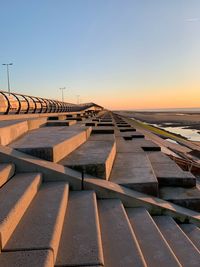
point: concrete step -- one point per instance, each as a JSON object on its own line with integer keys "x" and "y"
{"x": 32, "y": 258}
{"x": 15, "y": 198}
{"x": 134, "y": 170}
{"x": 133, "y": 135}
{"x": 53, "y": 123}
{"x": 120, "y": 246}
{"x": 7, "y": 170}
{"x": 52, "y": 145}
{"x": 103, "y": 130}
{"x": 95, "y": 157}
{"x": 187, "y": 254}
{"x": 146, "y": 145}
{"x": 186, "y": 197}
{"x": 193, "y": 233}
{"x": 169, "y": 173}
{"x": 154, "y": 247}
{"x": 127, "y": 147}
{"x": 43, "y": 219}
{"x": 80, "y": 243}
{"x": 11, "y": 130}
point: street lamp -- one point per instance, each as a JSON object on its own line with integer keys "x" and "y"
{"x": 62, "y": 89}
{"x": 8, "y": 76}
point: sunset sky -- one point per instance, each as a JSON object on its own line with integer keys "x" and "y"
{"x": 122, "y": 54}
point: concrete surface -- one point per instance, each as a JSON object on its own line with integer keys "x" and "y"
{"x": 7, "y": 170}
{"x": 15, "y": 198}
{"x": 80, "y": 243}
{"x": 154, "y": 247}
{"x": 134, "y": 170}
{"x": 33, "y": 258}
{"x": 193, "y": 233}
{"x": 187, "y": 254}
{"x": 120, "y": 247}
{"x": 43, "y": 219}
{"x": 94, "y": 157}
{"x": 51, "y": 145}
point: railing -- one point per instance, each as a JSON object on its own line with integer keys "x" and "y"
{"x": 14, "y": 103}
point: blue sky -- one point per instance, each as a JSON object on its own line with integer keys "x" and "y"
{"x": 118, "y": 53}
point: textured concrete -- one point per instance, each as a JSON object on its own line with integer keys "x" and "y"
{"x": 11, "y": 130}
{"x": 146, "y": 145}
{"x": 7, "y": 170}
{"x": 193, "y": 233}
{"x": 36, "y": 123}
{"x": 187, "y": 254}
{"x": 15, "y": 197}
{"x": 159, "y": 157}
{"x": 33, "y": 258}
{"x": 186, "y": 197}
{"x": 172, "y": 175}
{"x": 94, "y": 157}
{"x": 51, "y": 145}
{"x": 154, "y": 247}
{"x": 52, "y": 123}
{"x": 120, "y": 247}
{"x": 80, "y": 243}
{"x": 43, "y": 219}
{"x": 127, "y": 147}
{"x": 134, "y": 170}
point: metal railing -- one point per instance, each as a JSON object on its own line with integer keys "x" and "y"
{"x": 14, "y": 103}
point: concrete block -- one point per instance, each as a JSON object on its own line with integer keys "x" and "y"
{"x": 11, "y": 130}
{"x": 15, "y": 198}
{"x": 41, "y": 226}
{"x": 185, "y": 251}
{"x": 7, "y": 170}
{"x": 51, "y": 145}
{"x": 120, "y": 246}
{"x": 60, "y": 123}
{"x": 80, "y": 243}
{"x": 172, "y": 175}
{"x": 33, "y": 258}
{"x": 186, "y": 197}
{"x": 154, "y": 247}
{"x": 146, "y": 145}
{"x": 134, "y": 170}
{"x": 193, "y": 233}
{"x": 36, "y": 123}
{"x": 94, "y": 157}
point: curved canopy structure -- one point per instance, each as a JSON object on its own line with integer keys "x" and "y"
{"x": 14, "y": 103}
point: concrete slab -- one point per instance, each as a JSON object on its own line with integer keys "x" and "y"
{"x": 147, "y": 145}
{"x": 11, "y": 130}
{"x": 15, "y": 198}
{"x": 52, "y": 145}
{"x": 80, "y": 243}
{"x": 183, "y": 248}
{"x": 127, "y": 147}
{"x": 33, "y": 258}
{"x": 7, "y": 170}
{"x": 117, "y": 250}
{"x": 94, "y": 157}
{"x": 193, "y": 233}
{"x": 159, "y": 157}
{"x": 186, "y": 197}
{"x": 41, "y": 226}
{"x": 103, "y": 130}
{"x": 172, "y": 175}
{"x": 154, "y": 247}
{"x": 134, "y": 170}
{"x": 60, "y": 123}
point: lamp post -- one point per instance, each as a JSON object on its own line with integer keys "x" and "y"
{"x": 8, "y": 75}
{"x": 62, "y": 89}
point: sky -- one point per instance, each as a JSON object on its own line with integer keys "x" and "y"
{"x": 121, "y": 54}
